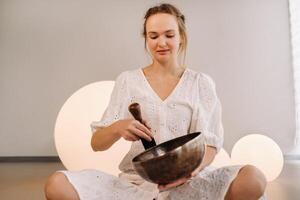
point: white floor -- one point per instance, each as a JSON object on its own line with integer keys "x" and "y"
{"x": 26, "y": 181}
{"x": 287, "y": 185}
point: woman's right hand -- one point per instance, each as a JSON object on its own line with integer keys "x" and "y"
{"x": 133, "y": 130}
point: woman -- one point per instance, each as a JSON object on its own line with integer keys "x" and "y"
{"x": 174, "y": 100}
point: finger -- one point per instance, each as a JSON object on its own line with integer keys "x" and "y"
{"x": 161, "y": 187}
{"x": 128, "y": 137}
{"x": 168, "y": 186}
{"x": 134, "y": 137}
{"x": 140, "y": 134}
{"x": 173, "y": 184}
{"x": 146, "y": 124}
{"x": 144, "y": 129}
{"x": 196, "y": 172}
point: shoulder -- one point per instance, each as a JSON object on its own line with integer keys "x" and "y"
{"x": 125, "y": 75}
{"x": 201, "y": 78}
{"x": 127, "y": 79}
{"x": 206, "y": 90}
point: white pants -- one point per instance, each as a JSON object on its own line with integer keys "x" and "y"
{"x": 209, "y": 184}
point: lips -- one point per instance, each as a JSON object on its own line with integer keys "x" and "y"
{"x": 163, "y": 51}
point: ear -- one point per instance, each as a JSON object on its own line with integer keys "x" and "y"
{"x": 181, "y": 41}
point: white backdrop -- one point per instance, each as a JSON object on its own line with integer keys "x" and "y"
{"x": 294, "y": 6}
{"x": 50, "y": 49}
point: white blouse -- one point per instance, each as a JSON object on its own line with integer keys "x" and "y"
{"x": 192, "y": 106}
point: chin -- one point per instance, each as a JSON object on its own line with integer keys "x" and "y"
{"x": 162, "y": 60}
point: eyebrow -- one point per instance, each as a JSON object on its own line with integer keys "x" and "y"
{"x": 168, "y": 31}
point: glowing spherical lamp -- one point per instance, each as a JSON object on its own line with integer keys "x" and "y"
{"x": 73, "y": 132}
{"x": 260, "y": 151}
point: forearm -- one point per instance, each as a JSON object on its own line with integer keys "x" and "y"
{"x": 209, "y": 156}
{"x": 104, "y": 138}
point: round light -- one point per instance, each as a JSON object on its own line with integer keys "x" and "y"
{"x": 73, "y": 132}
{"x": 260, "y": 151}
{"x": 221, "y": 159}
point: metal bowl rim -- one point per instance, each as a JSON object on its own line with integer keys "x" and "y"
{"x": 166, "y": 154}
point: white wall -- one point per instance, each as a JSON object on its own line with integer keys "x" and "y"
{"x": 50, "y": 49}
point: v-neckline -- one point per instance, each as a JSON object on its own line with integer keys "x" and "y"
{"x": 153, "y": 91}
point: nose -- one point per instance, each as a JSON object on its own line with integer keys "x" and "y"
{"x": 162, "y": 42}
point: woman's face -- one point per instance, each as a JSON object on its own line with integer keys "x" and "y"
{"x": 163, "y": 37}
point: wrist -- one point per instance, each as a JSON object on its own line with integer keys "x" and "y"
{"x": 115, "y": 130}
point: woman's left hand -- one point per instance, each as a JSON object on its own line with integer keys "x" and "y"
{"x": 173, "y": 184}
{"x": 196, "y": 171}
{"x": 180, "y": 181}
{"x": 209, "y": 155}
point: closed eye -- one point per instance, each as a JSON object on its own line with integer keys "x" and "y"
{"x": 153, "y": 38}
{"x": 170, "y": 36}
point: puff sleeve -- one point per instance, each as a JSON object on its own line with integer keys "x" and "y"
{"x": 207, "y": 115}
{"x": 118, "y": 103}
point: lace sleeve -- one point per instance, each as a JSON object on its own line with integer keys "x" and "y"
{"x": 117, "y": 107}
{"x": 207, "y": 117}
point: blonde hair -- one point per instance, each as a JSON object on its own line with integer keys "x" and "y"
{"x": 172, "y": 10}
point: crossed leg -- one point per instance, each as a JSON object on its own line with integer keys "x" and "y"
{"x": 58, "y": 187}
{"x": 249, "y": 184}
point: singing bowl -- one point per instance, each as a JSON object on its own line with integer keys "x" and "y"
{"x": 171, "y": 160}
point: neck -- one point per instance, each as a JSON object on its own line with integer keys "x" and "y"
{"x": 172, "y": 68}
